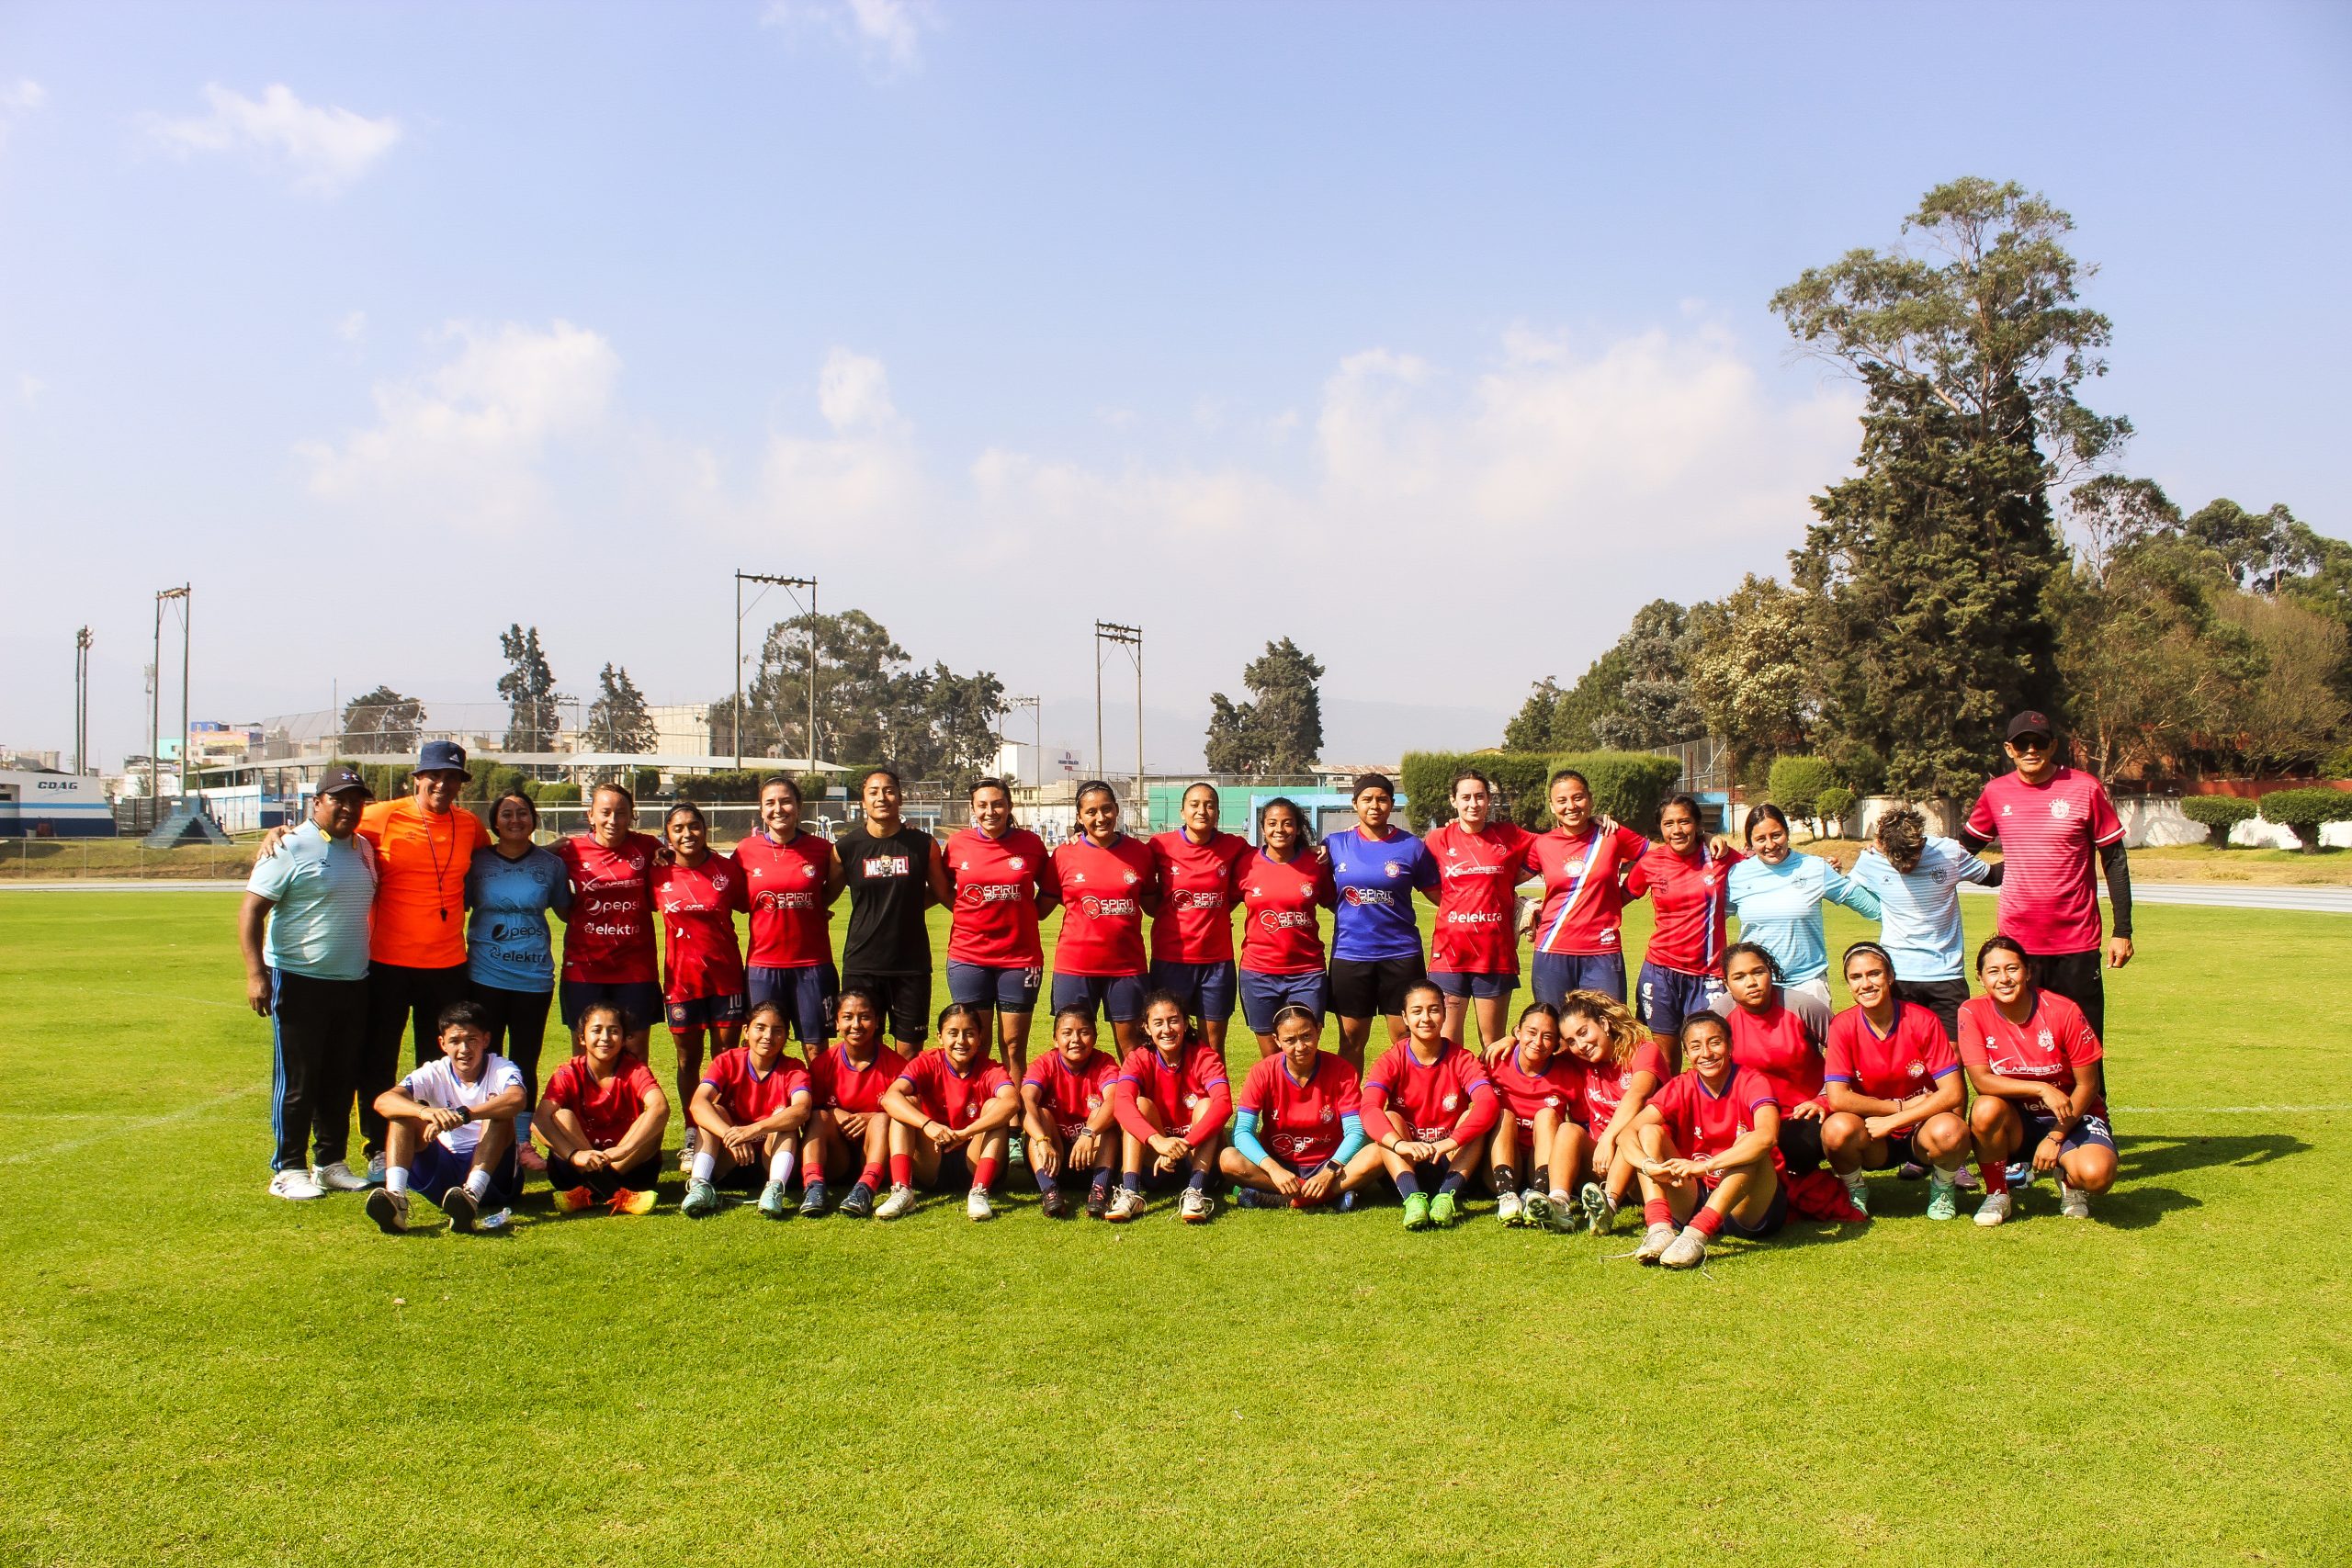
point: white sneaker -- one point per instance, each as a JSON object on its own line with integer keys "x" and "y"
{"x": 901, "y": 1199}
{"x": 295, "y": 1184}
{"x": 1689, "y": 1250}
{"x": 1125, "y": 1204}
{"x": 389, "y": 1209}
{"x": 977, "y": 1205}
{"x": 1655, "y": 1241}
{"x": 1194, "y": 1206}
{"x": 2074, "y": 1203}
{"x": 1508, "y": 1207}
{"x": 337, "y": 1178}
{"x": 1995, "y": 1208}
{"x": 376, "y": 1169}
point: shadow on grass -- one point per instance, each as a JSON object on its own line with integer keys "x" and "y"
{"x": 2141, "y": 1158}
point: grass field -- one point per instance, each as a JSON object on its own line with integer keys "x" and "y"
{"x": 196, "y": 1372}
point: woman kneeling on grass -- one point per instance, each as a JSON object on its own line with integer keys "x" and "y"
{"x": 952, "y": 1110}
{"x": 1542, "y": 1090}
{"x": 751, "y": 1104}
{"x": 1623, "y": 1065}
{"x": 1070, "y": 1120}
{"x": 602, "y": 1115}
{"x": 1894, "y": 1087}
{"x": 1429, "y": 1105}
{"x": 1709, "y": 1156}
{"x": 1173, "y": 1099}
{"x": 2036, "y": 1067}
{"x": 1298, "y": 1137}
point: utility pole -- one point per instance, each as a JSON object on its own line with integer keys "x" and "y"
{"x": 81, "y": 701}
{"x": 1130, "y": 638}
{"x": 180, "y": 596}
{"x": 789, "y": 585}
{"x": 1037, "y": 711}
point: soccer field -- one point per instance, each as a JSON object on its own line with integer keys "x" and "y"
{"x": 198, "y": 1372}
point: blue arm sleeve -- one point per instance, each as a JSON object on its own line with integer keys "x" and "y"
{"x": 1351, "y": 1139}
{"x": 1245, "y": 1136}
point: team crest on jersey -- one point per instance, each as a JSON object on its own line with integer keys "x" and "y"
{"x": 1392, "y": 868}
{"x": 2061, "y": 806}
{"x": 1327, "y": 1114}
{"x": 1017, "y": 862}
{"x": 1450, "y": 1101}
{"x": 1919, "y": 1068}
{"x": 1132, "y": 879}
{"x": 2042, "y": 1039}
{"x": 1552, "y": 1101}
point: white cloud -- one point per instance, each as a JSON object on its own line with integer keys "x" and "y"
{"x": 18, "y": 100}
{"x": 866, "y": 470}
{"x": 353, "y": 327}
{"x": 324, "y": 148}
{"x": 465, "y": 443}
{"x": 888, "y": 33}
{"x": 29, "y": 388}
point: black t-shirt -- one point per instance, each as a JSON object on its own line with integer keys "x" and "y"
{"x": 889, "y": 886}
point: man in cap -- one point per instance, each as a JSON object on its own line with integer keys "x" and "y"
{"x": 2055, "y": 824}
{"x": 309, "y": 977}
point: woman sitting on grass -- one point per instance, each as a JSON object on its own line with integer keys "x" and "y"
{"x": 952, "y": 1110}
{"x": 2035, "y": 1066}
{"x": 602, "y": 1115}
{"x": 751, "y": 1103}
{"x": 1779, "y": 1033}
{"x": 1708, "y": 1153}
{"x": 849, "y": 1133}
{"x": 1894, "y": 1087}
{"x": 1542, "y": 1090}
{"x": 1070, "y": 1123}
{"x": 1173, "y": 1099}
{"x": 1429, "y": 1105}
{"x": 1623, "y": 1065}
{"x": 1298, "y": 1137}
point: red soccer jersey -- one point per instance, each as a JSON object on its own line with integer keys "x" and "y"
{"x": 1783, "y": 1045}
{"x": 1558, "y": 1088}
{"x": 994, "y": 917}
{"x": 1477, "y": 893}
{"x": 1195, "y": 1096}
{"x": 1604, "y": 1082}
{"x": 699, "y": 905}
{"x": 608, "y": 936}
{"x": 1689, "y": 909}
{"x": 1195, "y": 920}
{"x": 1103, "y": 892}
{"x": 1302, "y": 1123}
{"x": 1584, "y": 898}
{"x": 1451, "y": 1097}
{"x": 1281, "y": 933}
{"x": 1910, "y": 1060}
{"x": 1071, "y": 1095}
{"x": 1704, "y": 1123}
{"x": 2050, "y": 836}
{"x": 839, "y": 1084}
{"x": 2047, "y": 1047}
{"x": 608, "y": 1110}
{"x": 952, "y": 1099}
{"x": 747, "y": 1096}
{"x": 791, "y": 928}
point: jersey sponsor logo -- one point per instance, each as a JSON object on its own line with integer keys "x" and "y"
{"x": 610, "y": 928}
{"x": 1182, "y": 899}
{"x": 790, "y": 898}
{"x": 1110, "y": 909}
{"x": 875, "y": 866}
{"x": 1471, "y": 868}
{"x": 1284, "y": 919}
{"x": 977, "y": 894}
{"x": 1371, "y": 898}
{"x": 1472, "y": 918}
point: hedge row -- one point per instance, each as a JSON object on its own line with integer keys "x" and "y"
{"x": 2219, "y": 812}
{"x": 2305, "y": 809}
{"x": 1628, "y": 785}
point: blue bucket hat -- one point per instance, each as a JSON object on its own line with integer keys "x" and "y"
{"x": 442, "y": 757}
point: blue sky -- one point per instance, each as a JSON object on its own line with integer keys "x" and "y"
{"x": 1433, "y": 336}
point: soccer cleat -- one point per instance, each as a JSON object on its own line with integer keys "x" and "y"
{"x": 1508, "y": 1209}
{"x": 1348, "y": 1203}
{"x": 1858, "y": 1188}
{"x": 2074, "y": 1203}
{"x": 1535, "y": 1208}
{"x": 630, "y": 1201}
{"x": 463, "y": 1212}
{"x": 859, "y": 1205}
{"x": 1655, "y": 1241}
{"x": 295, "y": 1184}
{"x": 1444, "y": 1209}
{"x": 1599, "y": 1214}
{"x": 389, "y": 1210}
{"x": 376, "y": 1169}
{"x": 337, "y": 1178}
{"x": 1194, "y": 1206}
{"x": 1966, "y": 1180}
{"x": 812, "y": 1200}
{"x": 977, "y": 1205}
{"x": 2021, "y": 1174}
{"x": 1098, "y": 1202}
{"x": 1125, "y": 1204}
{"x": 1941, "y": 1204}
{"x": 1016, "y": 1149}
{"x": 702, "y": 1200}
{"x": 1689, "y": 1250}
{"x": 573, "y": 1200}
{"x": 773, "y": 1203}
{"x": 686, "y": 1160}
{"x": 901, "y": 1201}
{"x": 1417, "y": 1211}
{"x": 1995, "y": 1208}
{"x": 1251, "y": 1198}
{"x": 1054, "y": 1204}
{"x": 1913, "y": 1170}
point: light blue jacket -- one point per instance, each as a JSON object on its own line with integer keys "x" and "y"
{"x": 1779, "y": 909}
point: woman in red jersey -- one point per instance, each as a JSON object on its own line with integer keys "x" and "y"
{"x": 602, "y": 1114}
{"x": 2036, "y": 1065}
{"x": 1894, "y": 1087}
{"x": 848, "y": 1129}
{"x": 953, "y": 1108}
{"x": 789, "y": 872}
{"x": 1298, "y": 1138}
{"x": 1473, "y": 957}
{"x": 1622, "y": 1067}
{"x": 699, "y": 894}
{"x": 751, "y": 1103}
{"x": 1429, "y": 1105}
{"x": 608, "y": 945}
{"x": 1542, "y": 1090}
{"x": 1005, "y": 883}
{"x": 1780, "y": 1034}
{"x": 1192, "y": 935}
{"x": 1107, "y": 889}
{"x": 1280, "y": 888}
{"x": 1173, "y": 1099}
{"x": 1579, "y": 932}
{"x": 1708, "y": 1156}
{"x": 1682, "y": 967}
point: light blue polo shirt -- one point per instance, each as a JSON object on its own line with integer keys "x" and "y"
{"x": 321, "y": 890}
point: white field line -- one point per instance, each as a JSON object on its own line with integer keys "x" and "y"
{"x": 2233, "y": 1109}
{"x": 140, "y": 1124}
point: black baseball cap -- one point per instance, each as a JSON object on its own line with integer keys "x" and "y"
{"x": 335, "y": 780}
{"x": 2031, "y": 722}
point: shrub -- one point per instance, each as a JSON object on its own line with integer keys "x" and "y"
{"x": 1627, "y": 785}
{"x": 1831, "y": 807}
{"x": 2305, "y": 809}
{"x": 558, "y": 794}
{"x": 1795, "y": 784}
{"x": 2219, "y": 813}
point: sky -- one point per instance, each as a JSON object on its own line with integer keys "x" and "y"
{"x": 1434, "y": 337}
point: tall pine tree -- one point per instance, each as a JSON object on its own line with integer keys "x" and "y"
{"x": 1280, "y": 731}
{"x": 533, "y": 705}
{"x": 618, "y": 719}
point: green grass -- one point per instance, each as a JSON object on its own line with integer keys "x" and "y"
{"x": 196, "y": 1372}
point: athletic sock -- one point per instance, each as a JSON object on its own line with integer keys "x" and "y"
{"x": 1132, "y": 1181}
{"x": 1995, "y": 1175}
{"x": 780, "y": 1168}
{"x": 478, "y": 1185}
{"x": 1451, "y": 1184}
{"x": 1198, "y": 1181}
{"x": 1407, "y": 1184}
{"x": 1506, "y": 1179}
{"x": 870, "y": 1176}
{"x": 1707, "y": 1222}
{"x": 396, "y": 1178}
{"x": 1658, "y": 1212}
{"x": 984, "y": 1173}
{"x": 903, "y": 1170}
{"x": 1102, "y": 1174}
{"x": 1544, "y": 1178}
{"x": 706, "y": 1166}
{"x": 1045, "y": 1183}
{"x": 521, "y": 1129}
{"x": 1561, "y": 1195}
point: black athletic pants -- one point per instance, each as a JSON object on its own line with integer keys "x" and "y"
{"x": 401, "y": 999}
{"x": 518, "y": 1027}
{"x": 317, "y": 1030}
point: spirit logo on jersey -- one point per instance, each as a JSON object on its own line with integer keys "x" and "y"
{"x": 976, "y": 893}
{"x": 1369, "y": 897}
{"x": 1110, "y": 909}
{"x": 1284, "y": 919}
{"x": 885, "y": 865}
{"x": 1182, "y": 899}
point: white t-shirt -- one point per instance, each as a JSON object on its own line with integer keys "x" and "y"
{"x": 436, "y": 1084}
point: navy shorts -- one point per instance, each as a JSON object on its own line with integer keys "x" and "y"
{"x": 1207, "y": 988}
{"x": 987, "y": 985}
{"x": 437, "y": 1170}
{"x": 1262, "y": 996}
{"x": 1776, "y": 1214}
{"x": 807, "y": 993}
{"x": 708, "y": 1013}
{"x": 639, "y": 1000}
{"x": 1118, "y": 998}
{"x": 1557, "y": 974}
{"x": 1668, "y": 996}
{"x": 1486, "y": 987}
{"x": 2040, "y": 1124}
